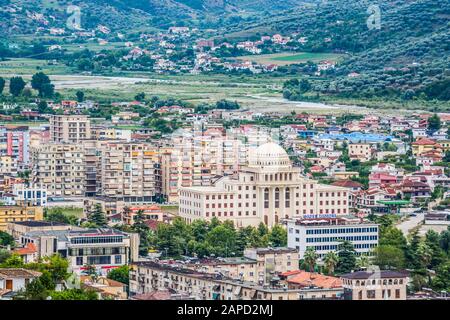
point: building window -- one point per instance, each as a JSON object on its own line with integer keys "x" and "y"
{"x": 266, "y": 198}
{"x": 287, "y": 197}
{"x": 370, "y": 294}
{"x": 118, "y": 259}
{"x": 277, "y": 198}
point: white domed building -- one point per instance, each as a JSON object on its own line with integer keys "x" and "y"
{"x": 267, "y": 190}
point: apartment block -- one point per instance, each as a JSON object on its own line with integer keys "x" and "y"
{"x": 130, "y": 171}
{"x": 60, "y": 168}
{"x": 14, "y": 142}
{"x": 69, "y": 128}
{"x": 19, "y": 213}
{"x": 148, "y": 277}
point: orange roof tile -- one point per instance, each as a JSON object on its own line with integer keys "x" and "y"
{"x": 308, "y": 279}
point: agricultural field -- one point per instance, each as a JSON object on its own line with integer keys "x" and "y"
{"x": 283, "y": 59}
{"x": 27, "y": 67}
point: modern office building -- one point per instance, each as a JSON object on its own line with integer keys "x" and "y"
{"x": 35, "y": 195}
{"x": 324, "y": 234}
{"x": 105, "y": 249}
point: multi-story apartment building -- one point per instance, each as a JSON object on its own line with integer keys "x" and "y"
{"x": 19, "y": 213}
{"x": 147, "y": 277}
{"x": 69, "y": 128}
{"x": 197, "y": 158}
{"x": 267, "y": 190}
{"x": 258, "y": 265}
{"x": 375, "y": 285}
{"x": 130, "y": 171}
{"x": 14, "y": 142}
{"x": 60, "y": 168}
{"x": 105, "y": 249}
{"x": 324, "y": 234}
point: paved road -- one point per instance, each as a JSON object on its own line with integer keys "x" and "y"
{"x": 410, "y": 223}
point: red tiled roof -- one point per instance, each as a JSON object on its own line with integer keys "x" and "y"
{"x": 30, "y": 248}
{"x": 307, "y": 279}
{"x": 424, "y": 141}
{"x": 347, "y": 184}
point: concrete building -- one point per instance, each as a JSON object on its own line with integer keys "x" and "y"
{"x": 324, "y": 234}
{"x": 19, "y": 213}
{"x": 35, "y": 195}
{"x": 197, "y": 157}
{"x": 19, "y": 228}
{"x": 60, "y": 168}
{"x": 130, "y": 172}
{"x": 14, "y": 142}
{"x": 360, "y": 151}
{"x": 267, "y": 190}
{"x": 375, "y": 285}
{"x": 105, "y": 249}
{"x": 69, "y": 128}
{"x": 148, "y": 277}
{"x": 258, "y": 265}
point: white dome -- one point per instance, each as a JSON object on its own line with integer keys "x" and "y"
{"x": 269, "y": 155}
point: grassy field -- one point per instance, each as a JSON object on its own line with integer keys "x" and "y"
{"x": 77, "y": 212}
{"x": 24, "y": 123}
{"x": 283, "y": 59}
{"x": 28, "y": 67}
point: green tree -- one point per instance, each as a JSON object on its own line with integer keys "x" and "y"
{"x": 6, "y": 239}
{"x": 16, "y": 86}
{"x": 4, "y": 255}
{"x": 13, "y": 261}
{"x": 143, "y": 230}
{"x": 74, "y": 294}
{"x": 97, "y": 217}
{"x": 389, "y": 257}
{"x": 347, "y": 258}
{"x": 331, "y": 260}
{"x": 425, "y": 254}
{"x": 41, "y": 82}
{"x": 2, "y": 85}
{"x": 362, "y": 262}
{"x": 304, "y": 86}
{"x": 222, "y": 241}
{"x": 121, "y": 274}
{"x": 140, "y": 97}
{"x": 438, "y": 256}
{"x": 442, "y": 279}
{"x": 278, "y": 236}
{"x": 36, "y": 290}
{"x": 80, "y": 96}
{"x": 310, "y": 258}
{"x": 434, "y": 122}
{"x": 444, "y": 240}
